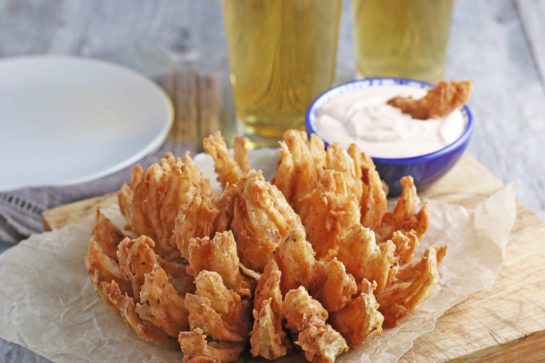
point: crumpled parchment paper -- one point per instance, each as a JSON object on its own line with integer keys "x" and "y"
{"x": 48, "y": 305}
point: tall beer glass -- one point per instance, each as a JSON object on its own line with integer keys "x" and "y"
{"x": 282, "y": 55}
{"x": 402, "y": 38}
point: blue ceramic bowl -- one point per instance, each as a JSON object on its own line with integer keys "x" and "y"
{"x": 425, "y": 169}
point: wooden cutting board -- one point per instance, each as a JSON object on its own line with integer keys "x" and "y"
{"x": 503, "y": 323}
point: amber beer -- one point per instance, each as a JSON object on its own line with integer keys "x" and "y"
{"x": 282, "y": 55}
{"x": 402, "y": 38}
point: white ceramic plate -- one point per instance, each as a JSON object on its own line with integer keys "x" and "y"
{"x": 68, "y": 120}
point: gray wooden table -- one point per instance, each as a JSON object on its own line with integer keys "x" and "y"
{"x": 499, "y": 44}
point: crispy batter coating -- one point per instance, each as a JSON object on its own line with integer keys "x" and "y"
{"x": 316, "y": 149}
{"x": 125, "y": 306}
{"x": 106, "y": 234}
{"x": 268, "y": 339}
{"x": 228, "y": 169}
{"x": 241, "y": 154}
{"x": 360, "y": 319}
{"x": 125, "y": 194}
{"x": 254, "y": 276}
{"x": 372, "y": 196}
{"x": 262, "y": 218}
{"x": 329, "y": 211}
{"x": 198, "y": 179}
{"x": 415, "y": 284}
{"x": 306, "y": 317}
{"x": 320, "y": 342}
{"x": 335, "y": 287}
{"x": 337, "y": 159}
{"x": 150, "y": 203}
{"x": 285, "y": 172}
{"x": 160, "y": 303}
{"x": 299, "y": 307}
{"x": 303, "y": 161}
{"x": 364, "y": 258}
{"x": 405, "y": 217}
{"x": 295, "y": 258}
{"x": 202, "y": 315}
{"x": 102, "y": 268}
{"x": 265, "y": 339}
{"x": 218, "y": 254}
{"x": 177, "y": 275}
{"x": 406, "y": 243}
{"x": 197, "y": 349}
{"x": 227, "y": 303}
{"x": 226, "y": 207}
{"x": 136, "y": 258}
{"x": 300, "y": 165}
{"x": 195, "y": 219}
{"x": 331, "y": 190}
{"x": 438, "y": 101}
{"x": 268, "y": 286}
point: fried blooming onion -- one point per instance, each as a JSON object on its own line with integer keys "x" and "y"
{"x": 312, "y": 262}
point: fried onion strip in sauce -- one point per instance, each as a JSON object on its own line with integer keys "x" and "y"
{"x": 439, "y": 101}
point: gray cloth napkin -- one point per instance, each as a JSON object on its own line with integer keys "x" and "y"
{"x": 21, "y": 209}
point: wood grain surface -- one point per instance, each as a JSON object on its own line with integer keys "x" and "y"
{"x": 496, "y": 43}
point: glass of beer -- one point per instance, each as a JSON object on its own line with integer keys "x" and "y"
{"x": 402, "y": 38}
{"x": 282, "y": 55}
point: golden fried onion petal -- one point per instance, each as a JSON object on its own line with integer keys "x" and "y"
{"x": 102, "y": 268}
{"x": 106, "y": 234}
{"x": 299, "y": 307}
{"x": 320, "y": 342}
{"x": 336, "y": 286}
{"x": 414, "y": 284}
{"x": 160, "y": 303}
{"x": 300, "y": 165}
{"x": 218, "y": 254}
{"x": 195, "y": 219}
{"x": 234, "y": 310}
{"x": 295, "y": 259}
{"x": 360, "y": 318}
{"x": 364, "y": 258}
{"x": 125, "y": 306}
{"x": 372, "y": 196}
{"x": 328, "y": 211}
{"x": 405, "y": 216}
{"x": 228, "y": 169}
{"x": 196, "y": 348}
{"x": 268, "y": 339}
{"x": 150, "y": 203}
{"x": 262, "y": 218}
{"x": 136, "y": 258}
{"x": 203, "y": 316}
{"x": 306, "y": 319}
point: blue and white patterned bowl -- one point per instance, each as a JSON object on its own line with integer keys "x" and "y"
{"x": 425, "y": 169}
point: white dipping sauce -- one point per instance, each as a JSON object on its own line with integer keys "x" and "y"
{"x": 363, "y": 117}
